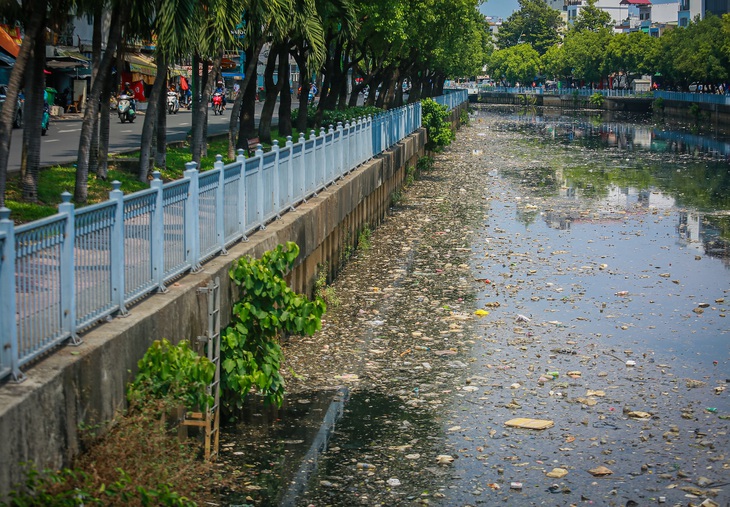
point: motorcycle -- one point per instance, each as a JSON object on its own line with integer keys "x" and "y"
{"x": 173, "y": 104}
{"x": 125, "y": 109}
{"x": 46, "y": 118}
{"x": 217, "y": 103}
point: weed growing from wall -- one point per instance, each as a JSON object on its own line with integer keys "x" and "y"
{"x": 324, "y": 291}
{"x": 363, "y": 239}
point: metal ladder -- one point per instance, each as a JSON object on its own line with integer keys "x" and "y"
{"x": 210, "y": 419}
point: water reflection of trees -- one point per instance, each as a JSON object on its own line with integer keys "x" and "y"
{"x": 596, "y": 132}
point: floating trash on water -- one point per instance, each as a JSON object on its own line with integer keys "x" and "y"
{"x": 532, "y": 424}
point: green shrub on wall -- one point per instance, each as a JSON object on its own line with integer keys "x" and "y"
{"x": 269, "y": 309}
{"x": 435, "y": 119}
{"x": 173, "y": 375}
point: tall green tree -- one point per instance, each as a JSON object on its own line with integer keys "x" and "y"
{"x": 586, "y": 52}
{"x": 535, "y": 23}
{"x": 516, "y": 64}
{"x": 694, "y": 54}
{"x": 591, "y": 18}
{"x": 630, "y": 54}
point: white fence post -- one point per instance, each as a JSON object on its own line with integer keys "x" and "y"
{"x": 9, "y": 360}
{"x": 67, "y": 269}
{"x": 241, "y": 211}
{"x": 219, "y": 205}
{"x": 157, "y": 233}
{"x": 192, "y": 220}
{"x": 116, "y": 254}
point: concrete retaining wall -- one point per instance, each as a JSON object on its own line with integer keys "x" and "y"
{"x": 41, "y": 419}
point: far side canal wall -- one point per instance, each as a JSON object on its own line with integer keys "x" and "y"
{"x": 42, "y": 419}
{"x": 716, "y": 116}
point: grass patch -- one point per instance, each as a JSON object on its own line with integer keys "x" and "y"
{"x": 53, "y": 181}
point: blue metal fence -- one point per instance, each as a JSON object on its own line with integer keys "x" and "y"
{"x": 706, "y": 98}
{"x": 65, "y": 273}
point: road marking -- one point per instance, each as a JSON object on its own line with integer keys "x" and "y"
{"x": 52, "y": 140}
{"x": 184, "y": 123}
{"x": 66, "y": 131}
{"x": 126, "y": 131}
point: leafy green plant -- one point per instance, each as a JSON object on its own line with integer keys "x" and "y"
{"x": 363, "y": 240}
{"x": 174, "y": 374}
{"x": 324, "y": 291}
{"x": 425, "y": 163}
{"x": 658, "y": 105}
{"x": 597, "y": 99}
{"x": 695, "y": 110}
{"x": 71, "y": 488}
{"x": 268, "y": 309}
{"x": 464, "y": 117}
{"x": 434, "y": 118}
{"x": 410, "y": 175}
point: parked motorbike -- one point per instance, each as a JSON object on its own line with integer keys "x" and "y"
{"x": 217, "y": 103}
{"x": 173, "y": 104}
{"x": 46, "y": 118}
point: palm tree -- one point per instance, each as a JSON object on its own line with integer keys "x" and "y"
{"x": 120, "y": 12}
{"x": 33, "y": 111}
{"x": 170, "y": 23}
{"x": 340, "y": 23}
{"x": 261, "y": 19}
{"x": 34, "y": 11}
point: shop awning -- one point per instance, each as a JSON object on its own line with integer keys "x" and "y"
{"x": 141, "y": 64}
{"x": 8, "y": 44}
{"x": 67, "y": 59}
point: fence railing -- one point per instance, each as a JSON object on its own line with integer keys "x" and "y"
{"x": 62, "y": 274}
{"x": 706, "y": 98}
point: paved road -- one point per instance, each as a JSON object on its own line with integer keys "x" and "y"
{"x": 61, "y": 144}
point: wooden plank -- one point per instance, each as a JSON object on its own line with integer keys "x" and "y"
{"x": 532, "y": 424}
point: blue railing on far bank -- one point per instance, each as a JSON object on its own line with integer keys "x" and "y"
{"x": 62, "y": 274}
{"x": 705, "y": 98}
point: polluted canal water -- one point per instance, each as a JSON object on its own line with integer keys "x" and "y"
{"x": 541, "y": 320}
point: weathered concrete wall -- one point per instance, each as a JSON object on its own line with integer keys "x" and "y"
{"x": 714, "y": 116}
{"x": 41, "y": 419}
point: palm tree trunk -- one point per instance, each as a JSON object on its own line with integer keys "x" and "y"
{"x": 236, "y": 121}
{"x": 95, "y": 61}
{"x": 35, "y": 85}
{"x": 301, "y": 58}
{"x": 161, "y": 145}
{"x": 102, "y": 168}
{"x": 33, "y": 29}
{"x": 272, "y": 91}
{"x": 247, "y": 126}
{"x": 203, "y": 92}
{"x": 197, "y": 97}
{"x": 150, "y": 119}
{"x": 119, "y": 18}
{"x": 285, "y": 127}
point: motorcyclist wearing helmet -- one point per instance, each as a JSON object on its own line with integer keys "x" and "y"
{"x": 129, "y": 92}
{"x": 222, "y": 90}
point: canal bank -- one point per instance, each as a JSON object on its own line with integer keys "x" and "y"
{"x": 709, "y": 115}
{"x": 535, "y": 273}
{"x": 42, "y": 418}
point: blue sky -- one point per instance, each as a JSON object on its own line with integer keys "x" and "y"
{"x": 499, "y": 8}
